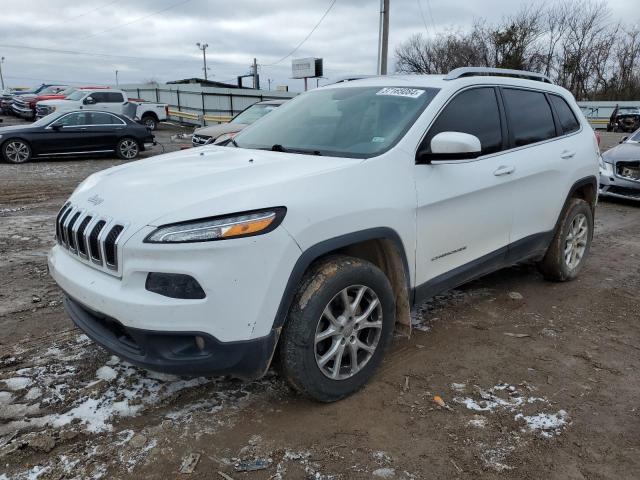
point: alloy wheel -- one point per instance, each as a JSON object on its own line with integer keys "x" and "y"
{"x": 17, "y": 151}
{"x": 575, "y": 243}
{"x": 129, "y": 149}
{"x": 348, "y": 332}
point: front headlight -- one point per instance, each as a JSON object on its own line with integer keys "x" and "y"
{"x": 244, "y": 224}
{"x": 605, "y": 168}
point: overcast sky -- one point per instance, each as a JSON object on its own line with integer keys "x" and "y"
{"x": 155, "y": 39}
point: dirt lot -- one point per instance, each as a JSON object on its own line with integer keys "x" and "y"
{"x": 540, "y": 380}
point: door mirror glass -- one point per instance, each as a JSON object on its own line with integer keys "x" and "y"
{"x": 452, "y": 146}
{"x": 89, "y": 101}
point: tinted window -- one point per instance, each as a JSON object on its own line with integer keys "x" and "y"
{"x": 474, "y": 112}
{"x": 567, "y": 118}
{"x": 105, "y": 119}
{"x": 99, "y": 97}
{"x": 530, "y": 117}
{"x": 114, "y": 97}
{"x": 75, "y": 119}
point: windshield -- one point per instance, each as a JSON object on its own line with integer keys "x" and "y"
{"x": 46, "y": 120}
{"x": 77, "y": 95}
{"x": 253, "y": 113}
{"x": 67, "y": 91}
{"x": 635, "y": 137}
{"x": 357, "y": 122}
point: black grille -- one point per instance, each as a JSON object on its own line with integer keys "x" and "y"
{"x": 70, "y": 238}
{"x": 82, "y": 246}
{"x": 62, "y": 211}
{"x": 110, "y": 247}
{"x": 94, "y": 246}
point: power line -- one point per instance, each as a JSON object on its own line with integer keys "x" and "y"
{"x": 91, "y": 54}
{"x": 137, "y": 19}
{"x": 433, "y": 23}
{"x": 424, "y": 21}
{"x": 46, "y": 27}
{"x": 305, "y": 38}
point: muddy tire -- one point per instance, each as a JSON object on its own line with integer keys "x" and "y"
{"x": 16, "y": 150}
{"x": 338, "y": 329}
{"x": 570, "y": 246}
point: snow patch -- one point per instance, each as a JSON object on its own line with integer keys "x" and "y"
{"x": 546, "y": 424}
{"x": 17, "y": 383}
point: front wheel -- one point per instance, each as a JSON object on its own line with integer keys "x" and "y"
{"x": 339, "y": 326}
{"x": 127, "y": 149}
{"x": 16, "y": 151}
{"x": 566, "y": 254}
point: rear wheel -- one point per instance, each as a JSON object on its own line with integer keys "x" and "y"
{"x": 150, "y": 122}
{"x": 16, "y": 150}
{"x": 127, "y": 148}
{"x": 339, "y": 326}
{"x": 566, "y": 254}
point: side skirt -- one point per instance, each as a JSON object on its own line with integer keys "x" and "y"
{"x": 527, "y": 248}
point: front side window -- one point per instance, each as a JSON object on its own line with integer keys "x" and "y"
{"x": 253, "y": 113}
{"x": 567, "y": 118}
{"x": 75, "y": 119}
{"x": 475, "y": 112}
{"x": 357, "y": 122}
{"x": 530, "y": 117}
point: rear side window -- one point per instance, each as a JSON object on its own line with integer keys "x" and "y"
{"x": 474, "y": 112}
{"x": 99, "y": 97}
{"x": 99, "y": 118}
{"x": 530, "y": 117}
{"x": 568, "y": 120}
{"x": 114, "y": 97}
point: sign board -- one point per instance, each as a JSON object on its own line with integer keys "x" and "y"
{"x": 282, "y": 88}
{"x": 306, "y": 67}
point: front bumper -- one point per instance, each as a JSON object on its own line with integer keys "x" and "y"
{"x": 22, "y": 111}
{"x": 615, "y": 186}
{"x": 176, "y": 352}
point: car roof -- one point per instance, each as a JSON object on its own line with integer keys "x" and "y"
{"x": 442, "y": 82}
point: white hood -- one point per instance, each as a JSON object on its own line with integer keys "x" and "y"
{"x": 198, "y": 183}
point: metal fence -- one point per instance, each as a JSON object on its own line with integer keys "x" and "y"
{"x": 598, "y": 113}
{"x": 198, "y": 105}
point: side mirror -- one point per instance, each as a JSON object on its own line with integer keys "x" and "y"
{"x": 56, "y": 126}
{"x": 451, "y": 146}
{"x": 89, "y": 101}
{"x": 624, "y": 139}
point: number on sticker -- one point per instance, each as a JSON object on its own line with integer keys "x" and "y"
{"x": 401, "y": 92}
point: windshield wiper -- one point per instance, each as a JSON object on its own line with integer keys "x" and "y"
{"x": 279, "y": 148}
{"x": 234, "y": 143}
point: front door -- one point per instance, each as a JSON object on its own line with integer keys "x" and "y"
{"x": 464, "y": 206}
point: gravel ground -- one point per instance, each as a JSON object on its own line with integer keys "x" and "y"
{"x": 537, "y": 379}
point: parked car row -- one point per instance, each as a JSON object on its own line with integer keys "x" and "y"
{"x": 46, "y": 99}
{"x": 74, "y": 133}
{"x": 620, "y": 169}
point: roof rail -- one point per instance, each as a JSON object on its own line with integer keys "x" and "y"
{"x": 506, "y": 72}
{"x": 350, "y": 78}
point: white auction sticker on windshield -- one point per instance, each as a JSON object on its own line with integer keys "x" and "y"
{"x": 401, "y": 92}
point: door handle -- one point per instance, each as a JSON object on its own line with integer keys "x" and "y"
{"x": 566, "y": 154}
{"x": 504, "y": 170}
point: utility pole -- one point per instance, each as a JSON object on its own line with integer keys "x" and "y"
{"x": 256, "y": 77}
{"x": 1, "y": 78}
{"x": 117, "y": 84}
{"x": 383, "y": 37}
{"x": 203, "y": 47}
{"x": 269, "y": 80}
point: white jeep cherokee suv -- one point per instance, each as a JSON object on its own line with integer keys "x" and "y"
{"x": 311, "y": 234}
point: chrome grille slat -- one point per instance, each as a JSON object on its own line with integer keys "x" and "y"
{"x": 93, "y": 239}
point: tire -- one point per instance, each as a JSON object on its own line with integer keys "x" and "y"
{"x": 16, "y": 150}
{"x": 127, "y": 148}
{"x": 150, "y": 122}
{"x": 321, "y": 291}
{"x": 563, "y": 262}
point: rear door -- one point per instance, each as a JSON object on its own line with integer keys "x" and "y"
{"x": 541, "y": 169}
{"x": 464, "y": 206}
{"x": 104, "y": 130}
{"x": 115, "y": 102}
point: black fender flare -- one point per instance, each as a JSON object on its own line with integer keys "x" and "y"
{"x": 316, "y": 251}
{"x": 591, "y": 181}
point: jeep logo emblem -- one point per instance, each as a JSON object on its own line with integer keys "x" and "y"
{"x": 95, "y": 200}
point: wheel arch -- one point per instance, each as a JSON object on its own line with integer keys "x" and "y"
{"x": 381, "y": 246}
{"x": 3, "y": 142}
{"x": 586, "y": 189}
{"x": 150, "y": 113}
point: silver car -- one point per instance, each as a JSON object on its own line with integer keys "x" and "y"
{"x": 620, "y": 169}
{"x": 225, "y": 131}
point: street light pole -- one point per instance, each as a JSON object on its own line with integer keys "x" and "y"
{"x": 1, "y": 78}
{"x": 383, "y": 37}
{"x": 203, "y": 47}
{"x": 117, "y": 84}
